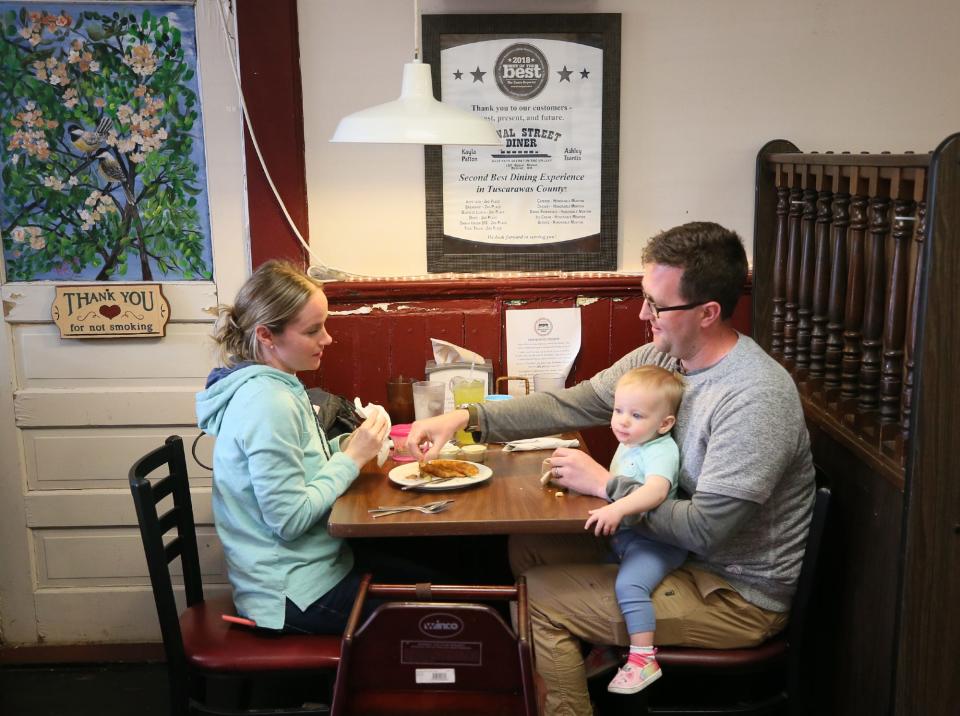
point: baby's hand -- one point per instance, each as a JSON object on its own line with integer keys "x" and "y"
{"x": 606, "y": 518}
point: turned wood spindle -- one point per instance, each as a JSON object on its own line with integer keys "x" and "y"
{"x": 853, "y": 308}
{"x": 918, "y": 239}
{"x": 804, "y": 290}
{"x": 793, "y": 270}
{"x": 821, "y": 285}
{"x": 838, "y": 290}
{"x": 891, "y": 370}
{"x": 779, "y": 269}
{"x": 873, "y": 308}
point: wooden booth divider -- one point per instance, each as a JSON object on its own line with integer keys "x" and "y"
{"x": 856, "y": 268}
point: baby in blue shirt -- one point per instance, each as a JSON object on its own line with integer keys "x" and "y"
{"x": 644, "y": 473}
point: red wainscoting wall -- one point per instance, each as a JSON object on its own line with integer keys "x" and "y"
{"x": 382, "y": 329}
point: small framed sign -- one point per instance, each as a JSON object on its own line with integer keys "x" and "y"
{"x": 137, "y": 310}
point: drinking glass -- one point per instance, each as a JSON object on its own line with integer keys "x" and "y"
{"x": 467, "y": 391}
{"x": 427, "y": 399}
{"x": 400, "y": 400}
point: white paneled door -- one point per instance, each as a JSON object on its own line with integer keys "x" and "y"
{"x": 74, "y": 415}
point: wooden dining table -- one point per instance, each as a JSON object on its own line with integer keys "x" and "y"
{"x": 511, "y": 501}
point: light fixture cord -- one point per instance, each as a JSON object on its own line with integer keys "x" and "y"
{"x": 416, "y": 29}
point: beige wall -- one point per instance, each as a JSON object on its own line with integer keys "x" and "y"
{"x": 704, "y": 83}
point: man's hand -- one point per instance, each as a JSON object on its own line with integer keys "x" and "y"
{"x": 606, "y": 518}
{"x": 576, "y": 470}
{"x": 428, "y": 436}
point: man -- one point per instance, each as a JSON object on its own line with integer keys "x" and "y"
{"x": 746, "y": 474}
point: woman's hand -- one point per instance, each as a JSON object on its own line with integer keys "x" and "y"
{"x": 576, "y": 470}
{"x": 364, "y": 443}
{"x": 428, "y": 436}
{"x": 607, "y": 519}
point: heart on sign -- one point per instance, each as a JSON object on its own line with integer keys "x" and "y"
{"x": 110, "y": 312}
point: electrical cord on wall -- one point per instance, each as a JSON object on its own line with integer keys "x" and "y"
{"x": 319, "y": 269}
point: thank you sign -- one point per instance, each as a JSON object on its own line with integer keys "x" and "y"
{"x": 110, "y": 310}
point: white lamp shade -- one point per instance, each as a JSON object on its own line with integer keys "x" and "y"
{"x": 416, "y": 118}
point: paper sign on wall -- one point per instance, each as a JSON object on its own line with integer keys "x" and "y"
{"x": 137, "y": 310}
{"x": 542, "y": 340}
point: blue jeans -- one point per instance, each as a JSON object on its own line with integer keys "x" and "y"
{"x": 643, "y": 565}
{"x": 329, "y": 614}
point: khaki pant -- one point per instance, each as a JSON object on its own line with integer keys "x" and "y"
{"x": 571, "y": 596}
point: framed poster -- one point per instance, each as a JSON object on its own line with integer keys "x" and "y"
{"x": 546, "y": 198}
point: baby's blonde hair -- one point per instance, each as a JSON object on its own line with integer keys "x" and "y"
{"x": 271, "y": 297}
{"x": 669, "y": 384}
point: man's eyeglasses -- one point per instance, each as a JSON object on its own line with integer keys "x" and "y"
{"x": 657, "y": 310}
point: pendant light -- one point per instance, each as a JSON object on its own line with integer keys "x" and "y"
{"x": 416, "y": 117}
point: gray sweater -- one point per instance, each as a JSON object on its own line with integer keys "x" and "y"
{"x": 745, "y": 463}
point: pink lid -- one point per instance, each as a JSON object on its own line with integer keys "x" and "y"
{"x": 400, "y": 431}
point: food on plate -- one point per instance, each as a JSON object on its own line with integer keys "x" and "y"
{"x": 448, "y": 468}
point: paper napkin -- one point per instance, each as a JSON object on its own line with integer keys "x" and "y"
{"x": 365, "y": 412}
{"x": 539, "y": 444}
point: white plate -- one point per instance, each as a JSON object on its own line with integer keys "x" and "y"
{"x": 406, "y": 475}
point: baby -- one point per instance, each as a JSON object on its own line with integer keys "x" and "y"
{"x": 644, "y": 471}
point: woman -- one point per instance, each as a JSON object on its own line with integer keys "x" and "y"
{"x": 276, "y": 475}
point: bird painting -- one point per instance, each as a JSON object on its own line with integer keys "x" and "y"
{"x": 110, "y": 169}
{"x": 88, "y": 141}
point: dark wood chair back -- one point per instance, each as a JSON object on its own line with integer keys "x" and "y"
{"x": 198, "y": 643}
{"x": 434, "y": 649}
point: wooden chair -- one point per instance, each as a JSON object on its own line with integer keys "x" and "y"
{"x": 781, "y": 657}
{"x": 420, "y": 656}
{"x": 200, "y": 646}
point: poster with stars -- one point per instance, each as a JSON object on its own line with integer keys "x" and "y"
{"x": 537, "y": 201}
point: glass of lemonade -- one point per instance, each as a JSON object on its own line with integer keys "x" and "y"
{"x": 466, "y": 391}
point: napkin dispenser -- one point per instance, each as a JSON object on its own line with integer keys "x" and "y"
{"x": 445, "y": 372}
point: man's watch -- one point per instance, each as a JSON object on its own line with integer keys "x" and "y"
{"x": 473, "y": 419}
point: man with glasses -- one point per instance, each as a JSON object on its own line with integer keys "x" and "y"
{"x": 746, "y": 473}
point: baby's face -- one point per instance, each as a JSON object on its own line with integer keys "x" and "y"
{"x": 639, "y": 415}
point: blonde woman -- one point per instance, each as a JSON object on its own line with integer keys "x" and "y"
{"x": 276, "y": 475}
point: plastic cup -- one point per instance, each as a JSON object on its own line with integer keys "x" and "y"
{"x": 543, "y": 382}
{"x": 428, "y": 399}
{"x": 399, "y": 433}
{"x": 449, "y": 452}
{"x": 474, "y": 453}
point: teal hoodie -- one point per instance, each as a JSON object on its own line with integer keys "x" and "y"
{"x": 275, "y": 478}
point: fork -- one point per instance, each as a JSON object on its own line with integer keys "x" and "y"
{"x": 428, "y": 481}
{"x": 429, "y": 508}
